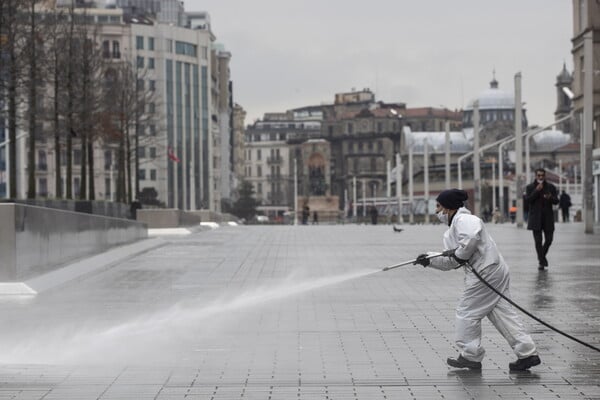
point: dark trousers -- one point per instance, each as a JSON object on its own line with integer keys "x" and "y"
{"x": 565, "y": 214}
{"x": 542, "y": 248}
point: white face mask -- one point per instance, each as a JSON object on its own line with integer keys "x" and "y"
{"x": 442, "y": 217}
{"x": 540, "y": 181}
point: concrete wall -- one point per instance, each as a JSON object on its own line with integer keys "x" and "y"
{"x": 157, "y": 218}
{"x": 35, "y": 240}
{"x": 96, "y": 207}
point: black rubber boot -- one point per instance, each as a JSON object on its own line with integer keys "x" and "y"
{"x": 462, "y": 362}
{"x": 523, "y": 364}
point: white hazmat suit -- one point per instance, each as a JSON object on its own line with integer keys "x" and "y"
{"x": 467, "y": 234}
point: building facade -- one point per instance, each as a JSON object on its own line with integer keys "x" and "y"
{"x": 586, "y": 99}
{"x": 179, "y": 139}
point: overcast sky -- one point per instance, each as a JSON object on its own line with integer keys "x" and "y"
{"x": 288, "y": 54}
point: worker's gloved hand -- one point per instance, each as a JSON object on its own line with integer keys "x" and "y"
{"x": 422, "y": 260}
{"x": 449, "y": 253}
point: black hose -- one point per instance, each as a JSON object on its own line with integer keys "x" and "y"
{"x": 530, "y": 314}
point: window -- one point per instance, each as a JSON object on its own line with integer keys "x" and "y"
{"x": 116, "y": 49}
{"x": 43, "y": 187}
{"x": 142, "y": 174}
{"x": 152, "y": 174}
{"x": 141, "y": 152}
{"x": 258, "y": 171}
{"x": 76, "y": 186}
{"x": 106, "y": 49}
{"x": 77, "y": 157}
{"x": 42, "y": 163}
{"x": 140, "y": 62}
{"x": 107, "y": 188}
{"x": 107, "y": 160}
{"x": 169, "y": 44}
{"x": 258, "y": 155}
{"x": 139, "y": 42}
{"x": 349, "y": 128}
{"x": 152, "y": 129}
{"x": 152, "y": 152}
{"x": 259, "y": 188}
{"x": 152, "y": 85}
{"x": 151, "y": 108}
{"x": 151, "y": 63}
{"x": 151, "y": 43}
{"x": 184, "y": 48}
{"x": 140, "y": 85}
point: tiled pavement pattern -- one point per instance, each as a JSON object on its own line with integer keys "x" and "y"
{"x": 283, "y": 312}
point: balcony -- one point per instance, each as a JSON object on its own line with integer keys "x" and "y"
{"x": 275, "y": 160}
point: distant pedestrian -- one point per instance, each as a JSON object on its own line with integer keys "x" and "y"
{"x": 496, "y": 216}
{"x": 315, "y": 218}
{"x": 564, "y": 203}
{"x": 512, "y": 213}
{"x": 374, "y": 214}
{"x": 305, "y": 214}
{"x": 133, "y": 207}
{"x": 541, "y": 196}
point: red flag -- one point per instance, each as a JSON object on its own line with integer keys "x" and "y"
{"x": 172, "y": 155}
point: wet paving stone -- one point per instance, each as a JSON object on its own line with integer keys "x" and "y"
{"x": 283, "y": 312}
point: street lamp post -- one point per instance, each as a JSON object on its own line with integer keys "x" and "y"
{"x": 447, "y": 154}
{"x": 295, "y": 191}
{"x": 411, "y": 188}
{"x": 354, "y": 198}
{"x": 399, "y": 187}
{"x": 501, "y": 174}
{"x": 519, "y": 148}
{"x": 476, "y": 163}
{"x": 500, "y": 142}
{"x": 426, "y": 178}
{"x": 388, "y": 165}
{"x": 587, "y": 136}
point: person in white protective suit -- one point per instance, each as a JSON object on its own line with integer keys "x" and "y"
{"x": 468, "y": 244}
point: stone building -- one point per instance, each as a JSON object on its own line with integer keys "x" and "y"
{"x": 184, "y": 149}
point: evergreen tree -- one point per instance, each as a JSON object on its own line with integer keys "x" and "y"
{"x": 245, "y": 206}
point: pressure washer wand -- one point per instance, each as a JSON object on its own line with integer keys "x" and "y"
{"x": 411, "y": 261}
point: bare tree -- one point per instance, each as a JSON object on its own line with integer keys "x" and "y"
{"x": 12, "y": 41}
{"x": 55, "y": 66}
{"x": 33, "y": 52}
{"x": 89, "y": 71}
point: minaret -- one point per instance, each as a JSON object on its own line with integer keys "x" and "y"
{"x": 563, "y": 102}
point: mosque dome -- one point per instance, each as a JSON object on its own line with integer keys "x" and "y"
{"x": 494, "y": 98}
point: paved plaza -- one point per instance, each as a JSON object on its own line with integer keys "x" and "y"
{"x": 285, "y": 312}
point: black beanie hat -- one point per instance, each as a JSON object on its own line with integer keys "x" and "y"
{"x": 452, "y": 199}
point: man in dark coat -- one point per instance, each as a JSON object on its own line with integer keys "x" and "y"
{"x": 564, "y": 203}
{"x": 541, "y": 196}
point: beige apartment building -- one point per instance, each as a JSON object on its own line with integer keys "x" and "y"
{"x": 184, "y": 147}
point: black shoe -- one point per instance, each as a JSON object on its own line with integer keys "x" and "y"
{"x": 541, "y": 267}
{"x": 523, "y": 364}
{"x": 462, "y": 362}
